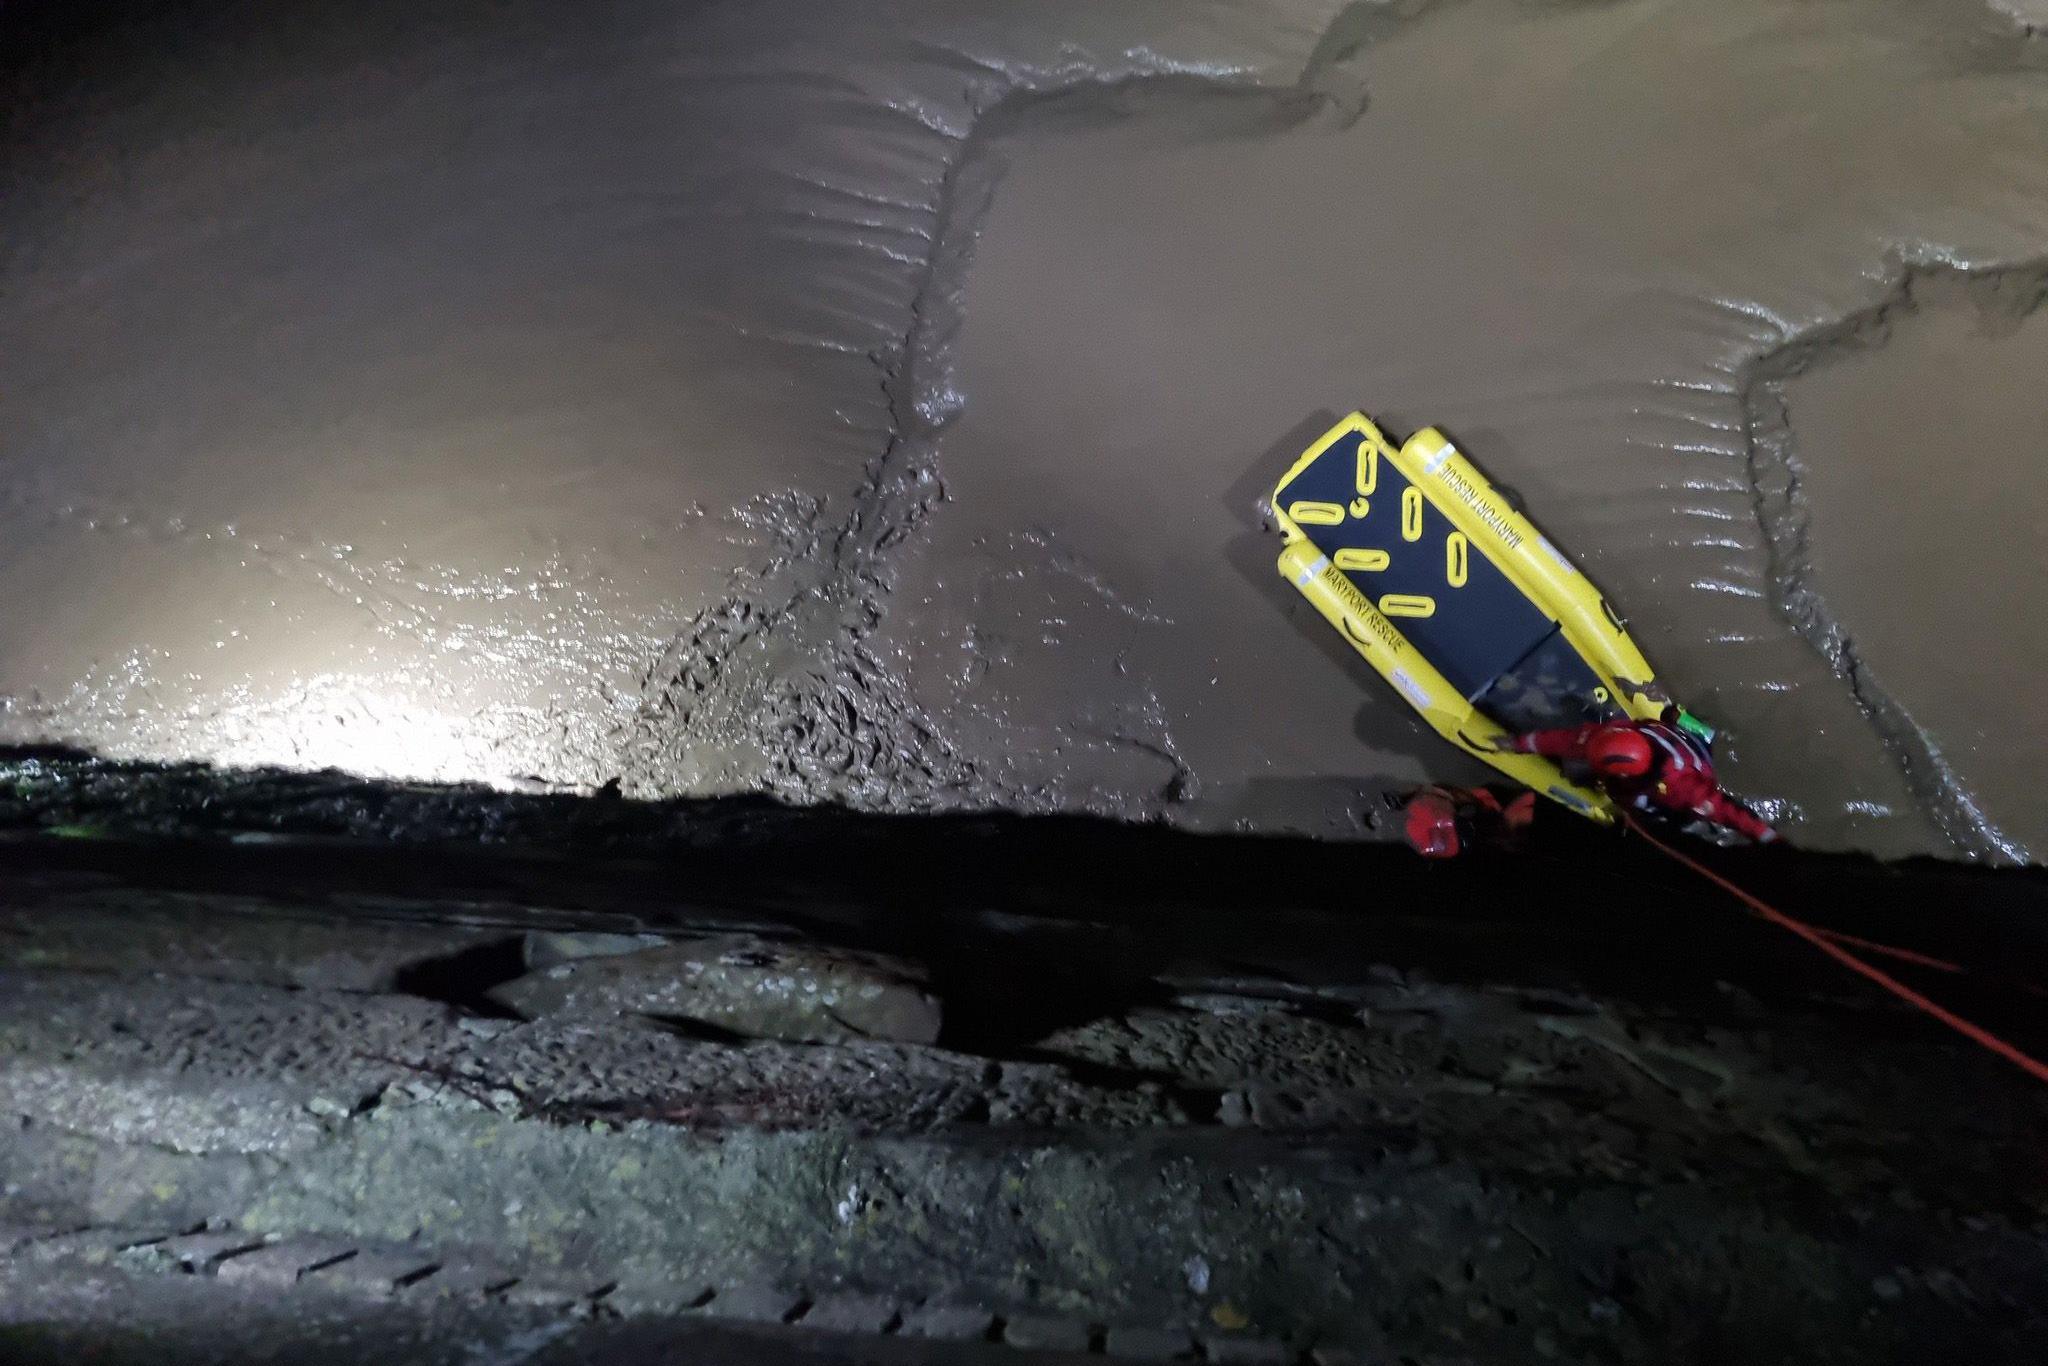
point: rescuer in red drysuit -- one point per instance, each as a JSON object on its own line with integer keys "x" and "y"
{"x": 1648, "y": 766}
{"x": 1444, "y": 822}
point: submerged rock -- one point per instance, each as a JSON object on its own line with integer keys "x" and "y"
{"x": 740, "y": 984}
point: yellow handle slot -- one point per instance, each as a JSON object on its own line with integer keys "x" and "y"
{"x": 1316, "y": 514}
{"x": 1457, "y": 559}
{"x": 1364, "y": 561}
{"x": 1408, "y": 605}
{"x": 1411, "y": 513}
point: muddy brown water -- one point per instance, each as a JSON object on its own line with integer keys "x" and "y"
{"x": 871, "y": 403}
{"x": 1930, "y": 574}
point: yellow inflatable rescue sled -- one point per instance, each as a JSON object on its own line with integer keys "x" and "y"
{"x": 1456, "y": 599}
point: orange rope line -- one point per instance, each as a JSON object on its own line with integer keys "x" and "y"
{"x": 1820, "y": 939}
{"x": 1891, "y": 951}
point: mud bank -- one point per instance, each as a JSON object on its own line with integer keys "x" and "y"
{"x": 1570, "y": 237}
{"x": 459, "y": 397}
{"x": 871, "y": 405}
{"x": 1916, "y": 428}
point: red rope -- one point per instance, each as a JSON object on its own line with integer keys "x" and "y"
{"x": 1890, "y": 951}
{"x": 1820, "y": 939}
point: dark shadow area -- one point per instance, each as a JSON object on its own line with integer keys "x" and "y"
{"x": 1026, "y": 923}
{"x": 465, "y": 978}
{"x": 1584, "y": 1044}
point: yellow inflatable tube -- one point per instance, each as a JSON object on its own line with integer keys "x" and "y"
{"x": 1416, "y": 679}
{"x": 1536, "y": 566}
{"x": 1345, "y": 524}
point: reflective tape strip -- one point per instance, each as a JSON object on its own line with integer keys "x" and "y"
{"x": 1554, "y": 553}
{"x": 1410, "y": 689}
{"x": 1317, "y": 566}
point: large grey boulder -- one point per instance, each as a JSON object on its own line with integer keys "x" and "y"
{"x": 757, "y": 988}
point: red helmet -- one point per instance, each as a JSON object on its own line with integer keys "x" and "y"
{"x": 1620, "y": 752}
{"x": 1431, "y": 824}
